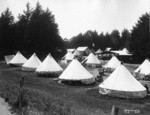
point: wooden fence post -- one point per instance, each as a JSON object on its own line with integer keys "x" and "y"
{"x": 114, "y": 110}
{"x": 21, "y": 82}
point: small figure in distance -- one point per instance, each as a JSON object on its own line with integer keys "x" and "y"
{"x": 147, "y": 89}
{"x": 100, "y": 76}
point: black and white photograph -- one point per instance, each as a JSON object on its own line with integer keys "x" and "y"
{"x": 74, "y": 57}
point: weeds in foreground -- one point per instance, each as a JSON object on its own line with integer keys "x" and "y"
{"x": 40, "y": 103}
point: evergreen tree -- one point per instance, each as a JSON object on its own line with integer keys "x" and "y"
{"x": 23, "y": 40}
{"x": 35, "y": 31}
{"x": 91, "y": 39}
{"x": 6, "y": 32}
{"x": 125, "y": 38}
{"x": 107, "y": 40}
{"x": 140, "y": 38}
{"x": 77, "y": 41}
{"x": 115, "y": 40}
{"x": 44, "y": 33}
{"x": 101, "y": 43}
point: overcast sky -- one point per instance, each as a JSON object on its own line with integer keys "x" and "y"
{"x": 76, "y": 16}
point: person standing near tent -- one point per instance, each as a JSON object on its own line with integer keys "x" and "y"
{"x": 100, "y": 76}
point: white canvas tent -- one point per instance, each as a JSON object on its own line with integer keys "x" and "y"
{"x": 76, "y": 72}
{"x": 82, "y": 48}
{"x": 8, "y": 58}
{"x": 98, "y": 51}
{"x": 121, "y": 83}
{"x": 144, "y": 68}
{"x": 68, "y": 57}
{"x": 76, "y": 53}
{"x": 49, "y": 67}
{"x": 32, "y": 63}
{"x": 113, "y": 63}
{"x": 18, "y": 60}
{"x": 92, "y": 60}
{"x": 70, "y": 50}
{"x": 108, "y": 49}
{"x": 123, "y": 52}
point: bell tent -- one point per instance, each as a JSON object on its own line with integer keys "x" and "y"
{"x": 18, "y": 60}
{"x": 144, "y": 68}
{"x": 76, "y": 72}
{"x": 98, "y": 51}
{"x": 76, "y": 53}
{"x": 49, "y": 67}
{"x": 32, "y": 63}
{"x": 113, "y": 63}
{"x": 92, "y": 60}
{"x": 68, "y": 57}
{"x": 8, "y": 58}
{"x": 121, "y": 83}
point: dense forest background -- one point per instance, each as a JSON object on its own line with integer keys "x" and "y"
{"x": 36, "y": 31}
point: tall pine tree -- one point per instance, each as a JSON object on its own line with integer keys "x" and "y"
{"x": 115, "y": 40}
{"x": 125, "y": 39}
{"x": 6, "y": 32}
{"x": 23, "y": 39}
{"x": 140, "y": 38}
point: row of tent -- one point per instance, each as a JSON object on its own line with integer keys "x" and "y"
{"x": 124, "y": 51}
{"x": 49, "y": 65}
{"x": 33, "y": 63}
{"x": 143, "y": 69}
{"x": 120, "y": 83}
{"x": 75, "y": 70}
{"x": 91, "y": 59}
{"x": 113, "y": 63}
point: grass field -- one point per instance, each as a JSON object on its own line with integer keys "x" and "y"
{"x": 44, "y": 96}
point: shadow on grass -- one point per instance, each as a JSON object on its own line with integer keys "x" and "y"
{"x": 78, "y": 84}
{"x": 95, "y": 93}
{"x": 47, "y": 75}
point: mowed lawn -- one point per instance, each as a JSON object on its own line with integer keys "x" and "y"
{"x": 45, "y": 96}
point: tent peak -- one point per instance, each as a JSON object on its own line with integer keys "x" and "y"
{"x": 34, "y": 54}
{"x": 49, "y": 54}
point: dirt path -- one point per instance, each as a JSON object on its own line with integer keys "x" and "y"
{"x": 4, "y": 108}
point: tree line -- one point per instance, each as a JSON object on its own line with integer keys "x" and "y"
{"x": 34, "y": 31}
{"x": 95, "y": 41}
{"x": 137, "y": 40}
